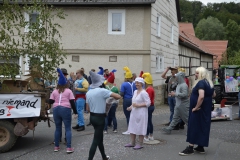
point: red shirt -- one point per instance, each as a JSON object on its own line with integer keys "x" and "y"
{"x": 187, "y": 81}
{"x": 106, "y": 76}
{"x": 151, "y": 94}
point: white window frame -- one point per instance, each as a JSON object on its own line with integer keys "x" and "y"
{"x": 174, "y": 63}
{"x": 110, "y": 12}
{"x": 26, "y": 67}
{"x": 158, "y": 25}
{"x": 20, "y": 64}
{"x": 172, "y": 34}
{"x": 27, "y": 19}
{"x": 159, "y": 67}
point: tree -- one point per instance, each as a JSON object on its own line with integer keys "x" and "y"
{"x": 210, "y": 29}
{"x": 41, "y": 41}
{"x": 227, "y": 60}
{"x": 232, "y": 35}
{"x": 198, "y": 8}
{"x": 186, "y": 11}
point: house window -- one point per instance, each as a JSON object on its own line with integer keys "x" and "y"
{"x": 158, "y": 27}
{"x": 172, "y": 34}
{"x": 31, "y": 19}
{"x": 174, "y": 63}
{"x": 112, "y": 58}
{"x": 14, "y": 63}
{"x": 159, "y": 63}
{"x": 75, "y": 58}
{"x": 116, "y": 21}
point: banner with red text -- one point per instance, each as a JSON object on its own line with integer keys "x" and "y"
{"x": 19, "y": 105}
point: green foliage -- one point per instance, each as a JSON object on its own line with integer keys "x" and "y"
{"x": 186, "y": 11}
{"x": 232, "y": 35}
{"x": 210, "y": 29}
{"x": 41, "y": 43}
{"x": 228, "y": 15}
{"x": 191, "y": 11}
{"x": 194, "y": 11}
{"x": 228, "y": 60}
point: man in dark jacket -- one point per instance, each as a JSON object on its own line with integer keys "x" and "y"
{"x": 84, "y": 75}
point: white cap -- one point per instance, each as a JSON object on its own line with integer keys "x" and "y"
{"x": 139, "y": 79}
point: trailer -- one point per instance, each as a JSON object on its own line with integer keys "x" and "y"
{"x": 23, "y": 103}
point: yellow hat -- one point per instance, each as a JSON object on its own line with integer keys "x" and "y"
{"x": 181, "y": 70}
{"x": 128, "y": 72}
{"x": 147, "y": 78}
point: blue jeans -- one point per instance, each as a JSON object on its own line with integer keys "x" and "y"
{"x": 111, "y": 115}
{"x": 62, "y": 114}
{"x": 150, "y": 124}
{"x": 171, "y": 103}
{"x": 80, "y": 103}
{"x": 127, "y": 103}
{"x": 239, "y": 104}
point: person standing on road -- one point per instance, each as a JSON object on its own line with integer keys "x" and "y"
{"x": 171, "y": 86}
{"x": 139, "y": 115}
{"x": 84, "y": 75}
{"x": 134, "y": 76}
{"x": 81, "y": 87}
{"x": 199, "y": 121}
{"x": 238, "y": 118}
{"x": 150, "y": 90}
{"x": 181, "y": 110}
{"x": 89, "y": 78}
{"x": 62, "y": 99}
{"x": 112, "y": 112}
{"x": 126, "y": 91}
{"x": 96, "y": 104}
{"x": 106, "y": 74}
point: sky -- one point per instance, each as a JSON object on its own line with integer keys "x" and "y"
{"x": 216, "y": 1}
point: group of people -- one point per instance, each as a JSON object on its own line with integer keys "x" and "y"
{"x": 196, "y": 112}
{"x": 100, "y": 96}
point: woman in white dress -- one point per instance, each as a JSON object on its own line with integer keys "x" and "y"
{"x": 139, "y": 114}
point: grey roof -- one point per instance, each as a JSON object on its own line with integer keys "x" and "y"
{"x": 92, "y": 2}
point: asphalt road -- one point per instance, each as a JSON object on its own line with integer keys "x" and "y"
{"x": 224, "y": 143}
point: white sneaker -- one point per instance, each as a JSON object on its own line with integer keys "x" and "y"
{"x": 146, "y": 139}
{"x": 151, "y": 138}
{"x": 115, "y": 131}
{"x": 126, "y": 133}
{"x": 105, "y": 132}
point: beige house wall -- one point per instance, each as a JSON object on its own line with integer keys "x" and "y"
{"x": 162, "y": 45}
{"x": 94, "y": 45}
{"x": 87, "y": 29}
{"x": 85, "y": 33}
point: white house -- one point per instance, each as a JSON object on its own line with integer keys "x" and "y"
{"x": 140, "y": 34}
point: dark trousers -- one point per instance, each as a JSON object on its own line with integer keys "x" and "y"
{"x": 127, "y": 103}
{"x": 98, "y": 125}
{"x": 150, "y": 124}
{"x": 112, "y": 116}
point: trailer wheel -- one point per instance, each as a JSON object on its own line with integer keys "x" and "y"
{"x": 7, "y": 136}
{"x": 218, "y": 97}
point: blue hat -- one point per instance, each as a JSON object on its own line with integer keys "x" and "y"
{"x": 62, "y": 80}
{"x": 101, "y": 71}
